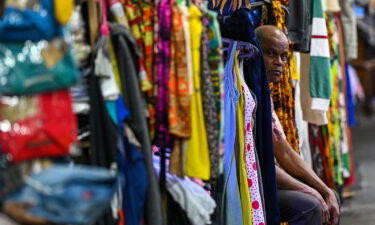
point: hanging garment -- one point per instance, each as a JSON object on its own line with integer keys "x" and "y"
{"x": 209, "y": 101}
{"x": 190, "y": 196}
{"x": 179, "y": 93}
{"x": 233, "y": 209}
{"x": 37, "y": 126}
{"x": 302, "y": 126}
{"x": 317, "y": 117}
{"x": 128, "y": 54}
{"x": 319, "y": 154}
{"x": 349, "y": 26}
{"x": 135, "y": 187}
{"x": 297, "y": 22}
{"x": 147, "y": 37}
{"x": 33, "y": 21}
{"x": 346, "y": 146}
{"x": 247, "y": 211}
{"x": 163, "y": 138}
{"x": 197, "y": 154}
{"x": 337, "y": 125}
{"x": 134, "y": 14}
{"x": 282, "y": 92}
{"x": 251, "y": 160}
{"x": 36, "y": 67}
{"x": 331, "y": 6}
{"x": 216, "y": 70}
{"x": 319, "y": 78}
{"x": 240, "y": 26}
{"x": 179, "y": 98}
{"x": 104, "y": 135}
{"x": 186, "y": 27}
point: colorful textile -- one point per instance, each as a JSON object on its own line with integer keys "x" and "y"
{"x": 197, "y": 154}
{"x": 240, "y": 26}
{"x": 147, "y": 37}
{"x": 282, "y": 92}
{"x": 337, "y": 115}
{"x": 179, "y": 97}
{"x": 133, "y": 12}
{"x": 209, "y": 101}
{"x": 346, "y": 150}
{"x": 320, "y": 80}
{"x": 250, "y": 158}
{"x": 319, "y": 154}
{"x": 215, "y": 56}
{"x": 232, "y": 197}
{"x": 147, "y": 34}
{"x": 162, "y": 135}
{"x": 247, "y": 211}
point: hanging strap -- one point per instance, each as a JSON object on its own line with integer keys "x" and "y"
{"x": 104, "y": 29}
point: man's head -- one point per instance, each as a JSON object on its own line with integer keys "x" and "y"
{"x": 275, "y": 46}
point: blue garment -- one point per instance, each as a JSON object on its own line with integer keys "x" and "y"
{"x": 134, "y": 190}
{"x": 29, "y": 24}
{"x": 122, "y": 111}
{"x": 117, "y": 111}
{"x": 349, "y": 96}
{"x": 231, "y": 189}
{"x": 64, "y": 194}
{"x": 132, "y": 166}
{"x": 240, "y": 26}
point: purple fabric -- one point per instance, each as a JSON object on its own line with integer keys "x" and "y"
{"x": 163, "y": 138}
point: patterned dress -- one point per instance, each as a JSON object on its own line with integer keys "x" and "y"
{"x": 251, "y": 168}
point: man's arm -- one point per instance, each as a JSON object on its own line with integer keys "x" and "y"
{"x": 287, "y": 182}
{"x": 295, "y": 167}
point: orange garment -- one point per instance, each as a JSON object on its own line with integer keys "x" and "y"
{"x": 283, "y": 92}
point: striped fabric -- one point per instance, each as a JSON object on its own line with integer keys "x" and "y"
{"x": 320, "y": 79}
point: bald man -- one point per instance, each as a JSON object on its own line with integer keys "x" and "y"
{"x": 303, "y": 197}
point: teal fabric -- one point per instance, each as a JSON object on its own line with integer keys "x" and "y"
{"x": 112, "y": 111}
{"x": 320, "y": 66}
{"x": 23, "y": 71}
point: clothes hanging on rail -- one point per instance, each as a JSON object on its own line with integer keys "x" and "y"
{"x": 240, "y": 26}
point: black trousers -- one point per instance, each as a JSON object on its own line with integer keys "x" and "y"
{"x": 298, "y": 208}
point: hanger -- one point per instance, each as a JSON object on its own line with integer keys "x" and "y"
{"x": 246, "y": 49}
{"x": 260, "y": 3}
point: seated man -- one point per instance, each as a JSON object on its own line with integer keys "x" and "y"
{"x": 303, "y": 197}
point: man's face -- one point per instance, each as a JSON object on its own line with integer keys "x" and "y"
{"x": 275, "y": 54}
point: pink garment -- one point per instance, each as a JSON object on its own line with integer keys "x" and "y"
{"x": 251, "y": 168}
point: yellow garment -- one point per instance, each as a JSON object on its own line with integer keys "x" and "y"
{"x": 293, "y": 67}
{"x": 197, "y": 161}
{"x": 115, "y": 66}
{"x": 247, "y": 214}
{"x": 63, "y": 10}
